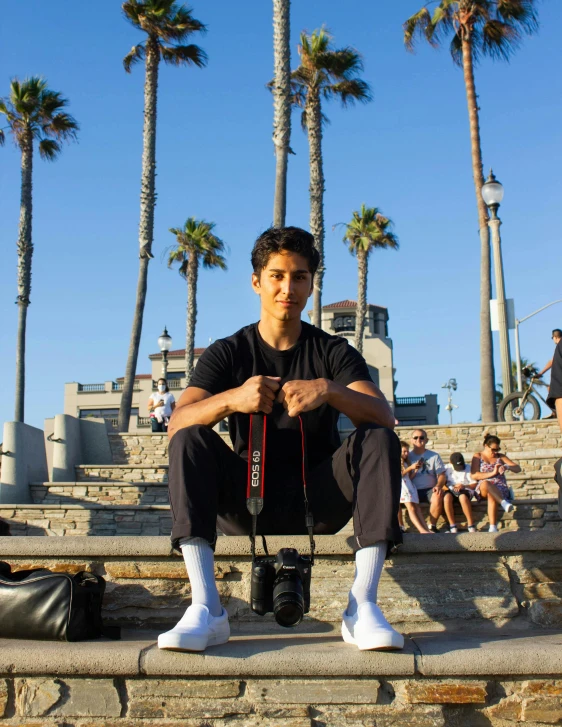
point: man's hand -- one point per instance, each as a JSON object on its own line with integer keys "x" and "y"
{"x": 256, "y": 394}
{"x": 457, "y": 488}
{"x": 300, "y": 396}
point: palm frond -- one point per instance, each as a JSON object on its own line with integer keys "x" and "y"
{"x": 500, "y": 40}
{"x": 61, "y": 126}
{"x": 2, "y": 137}
{"x": 49, "y": 149}
{"x": 520, "y": 12}
{"x": 417, "y": 24}
{"x": 136, "y": 54}
{"x": 350, "y": 91}
{"x": 341, "y": 64}
{"x": 184, "y": 55}
{"x": 456, "y": 49}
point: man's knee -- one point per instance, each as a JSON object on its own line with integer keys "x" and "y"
{"x": 193, "y": 436}
{"x": 375, "y": 436}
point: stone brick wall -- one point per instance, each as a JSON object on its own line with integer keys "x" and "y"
{"x": 108, "y": 493}
{"x": 76, "y": 520}
{"x": 268, "y": 702}
{"x": 139, "y": 513}
{"x": 467, "y": 438}
{"x": 430, "y": 591}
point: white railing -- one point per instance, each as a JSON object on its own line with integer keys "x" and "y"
{"x": 143, "y": 421}
{"x": 91, "y": 387}
{"x": 119, "y": 386}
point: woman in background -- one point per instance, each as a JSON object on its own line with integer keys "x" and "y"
{"x": 161, "y": 404}
{"x": 409, "y": 494}
{"x": 488, "y": 469}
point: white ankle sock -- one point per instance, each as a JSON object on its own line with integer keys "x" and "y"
{"x": 493, "y": 529}
{"x": 368, "y": 568}
{"x": 200, "y": 563}
{"x": 506, "y": 505}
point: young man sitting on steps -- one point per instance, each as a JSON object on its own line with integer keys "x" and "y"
{"x": 282, "y": 367}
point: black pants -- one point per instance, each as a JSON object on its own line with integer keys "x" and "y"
{"x": 207, "y": 486}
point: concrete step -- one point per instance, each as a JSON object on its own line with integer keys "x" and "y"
{"x": 149, "y": 492}
{"x": 89, "y": 518}
{"x": 467, "y": 438}
{"x": 432, "y": 583}
{"x": 289, "y": 679}
{"x": 72, "y": 514}
{"x": 122, "y": 473}
{"x": 109, "y": 493}
{"x": 538, "y": 472}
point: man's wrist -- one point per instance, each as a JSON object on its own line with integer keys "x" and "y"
{"x": 332, "y": 390}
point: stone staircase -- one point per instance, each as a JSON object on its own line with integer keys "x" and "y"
{"x": 128, "y": 496}
{"x": 482, "y": 613}
{"x": 482, "y": 618}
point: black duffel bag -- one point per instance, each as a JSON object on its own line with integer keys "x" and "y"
{"x": 39, "y": 604}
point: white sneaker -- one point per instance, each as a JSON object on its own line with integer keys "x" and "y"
{"x": 508, "y": 507}
{"x": 369, "y": 630}
{"x": 493, "y": 529}
{"x": 196, "y": 630}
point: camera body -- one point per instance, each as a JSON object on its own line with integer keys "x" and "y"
{"x": 281, "y": 584}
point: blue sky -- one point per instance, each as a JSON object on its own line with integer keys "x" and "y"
{"x": 407, "y": 152}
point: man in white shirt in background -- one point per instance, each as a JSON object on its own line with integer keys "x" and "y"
{"x": 459, "y": 485}
{"x": 429, "y": 476}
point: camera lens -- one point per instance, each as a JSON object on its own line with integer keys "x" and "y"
{"x": 288, "y": 600}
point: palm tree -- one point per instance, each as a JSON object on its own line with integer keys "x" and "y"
{"x": 282, "y": 103}
{"x": 324, "y": 73}
{"x": 368, "y": 230}
{"x": 166, "y": 25}
{"x": 478, "y": 28}
{"x": 195, "y": 242}
{"x": 35, "y": 114}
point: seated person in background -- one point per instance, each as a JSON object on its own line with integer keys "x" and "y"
{"x": 409, "y": 494}
{"x": 488, "y": 469}
{"x": 161, "y": 404}
{"x": 428, "y": 477}
{"x": 460, "y": 485}
{"x": 554, "y": 401}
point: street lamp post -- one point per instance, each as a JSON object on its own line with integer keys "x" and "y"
{"x": 492, "y": 193}
{"x": 452, "y": 386}
{"x": 165, "y": 344}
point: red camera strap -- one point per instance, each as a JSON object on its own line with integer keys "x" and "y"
{"x": 256, "y": 476}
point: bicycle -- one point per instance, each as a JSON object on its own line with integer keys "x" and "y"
{"x": 522, "y": 405}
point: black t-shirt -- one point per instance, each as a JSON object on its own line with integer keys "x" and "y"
{"x": 555, "y": 391}
{"x": 230, "y": 362}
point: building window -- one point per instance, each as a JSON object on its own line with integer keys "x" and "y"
{"x": 344, "y": 323}
{"x": 223, "y": 426}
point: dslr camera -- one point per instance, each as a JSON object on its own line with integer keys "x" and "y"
{"x": 281, "y": 584}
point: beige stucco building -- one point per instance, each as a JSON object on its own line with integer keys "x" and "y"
{"x": 103, "y": 399}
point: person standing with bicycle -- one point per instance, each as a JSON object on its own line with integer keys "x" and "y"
{"x": 554, "y": 401}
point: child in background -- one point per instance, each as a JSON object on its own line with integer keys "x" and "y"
{"x": 409, "y": 495}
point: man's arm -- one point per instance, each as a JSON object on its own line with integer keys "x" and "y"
{"x": 361, "y": 401}
{"x": 198, "y": 406}
{"x": 559, "y": 412}
{"x": 546, "y": 368}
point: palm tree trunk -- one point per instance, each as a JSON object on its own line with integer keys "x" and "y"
{"x": 146, "y": 225}
{"x": 281, "y": 105}
{"x": 487, "y": 378}
{"x": 192, "y": 270}
{"x": 362, "y": 266}
{"x": 314, "y": 128}
{"x": 25, "y": 254}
